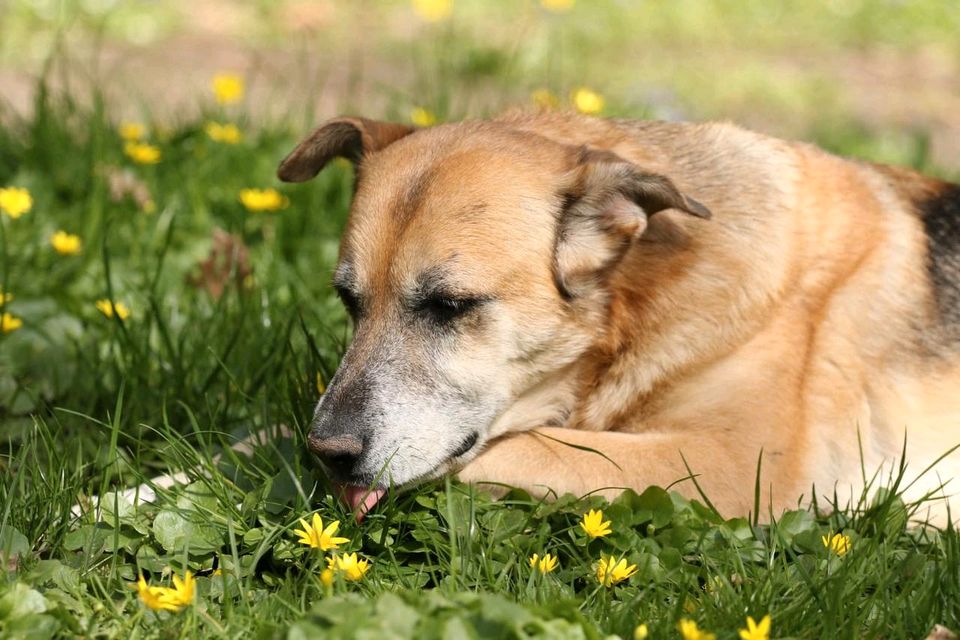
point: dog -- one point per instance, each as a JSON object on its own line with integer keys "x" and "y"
{"x": 564, "y": 303}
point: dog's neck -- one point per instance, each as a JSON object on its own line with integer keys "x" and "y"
{"x": 689, "y": 291}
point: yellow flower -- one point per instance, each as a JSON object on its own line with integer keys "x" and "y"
{"x": 756, "y": 631}
{"x": 351, "y": 568}
{"x": 142, "y": 153}
{"x": 641, "y": 632}
{"x": 545, "y": 99}
{"x": 227, "y": 88}
{"x": 227, "y": 133}
{"x": 181, "y": 595}
{"x": 433, "y": 10}
{"x": 317, "y": 537}
{"x": 66, "y": 244}
{"x": 838, "y": 543}
{"x": 327, "y": 576}
{"x": 263, "y": 199}
{"x": 587, "y": 101}
{"x": 154, "y": 597}
{"x": 9, "y": 323}
{"x": 593, "y": 524}
{"x": 423, "y": 117}
{"x": 546, "y": 564}
{"x": 557, "y": 6}
{"x": 5, "y": 297}
{"x": 132, "y": 131}
{"x": 689, "y": 631}
{"x": 320, "y": 386}
{"x": 15, "y": 201}
{"x": 611, "y": 571}
{"x": 109, "y": 308}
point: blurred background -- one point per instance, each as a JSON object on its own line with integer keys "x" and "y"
{"x": 877, "y": 78}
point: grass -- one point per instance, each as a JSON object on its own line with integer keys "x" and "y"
{"x": 90, "y": 405}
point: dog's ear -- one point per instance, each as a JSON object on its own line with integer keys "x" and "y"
{"x": 348, "y": 137}
{"x": 607, "y": 204}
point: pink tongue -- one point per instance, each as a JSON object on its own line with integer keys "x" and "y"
{"x": 360, "y": 499}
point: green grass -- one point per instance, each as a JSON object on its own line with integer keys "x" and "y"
{"x": 90, "y": 405}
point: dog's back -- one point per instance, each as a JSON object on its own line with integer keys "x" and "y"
{"x": 937, "y": 204}
{"x": 846, "y": 273}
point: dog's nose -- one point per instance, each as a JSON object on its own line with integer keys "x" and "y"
{"x": 339, "y": 453}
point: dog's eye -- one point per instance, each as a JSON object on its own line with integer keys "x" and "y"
{"x": 350, "y": 301}
{"x": 443, "y": 309}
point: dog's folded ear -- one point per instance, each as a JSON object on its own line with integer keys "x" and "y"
{"x": 607, "y": 203}
{"x": 346, "y": 137}
{"x": 606, "y": 185}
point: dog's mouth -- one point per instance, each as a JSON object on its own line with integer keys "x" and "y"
{"x": 468, "y": 443}
{"x": 360, "y": 499}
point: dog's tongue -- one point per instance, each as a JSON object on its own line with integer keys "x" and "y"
{"x": 360, "y": 499}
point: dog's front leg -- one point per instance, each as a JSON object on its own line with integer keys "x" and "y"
{"x": 555, "y": 460}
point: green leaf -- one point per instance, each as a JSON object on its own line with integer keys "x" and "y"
{"x": 503, "y": 523}
{"x": 116, "y": 508}
{"x": 396, "y": 615}
{"x": 20, "y": 600}
{"x": 12, "y": 542}
{"x": 793, "y": 523}
{"x": 253, "y": 537}
{"x": 57, "y": 573}
{"x": 654, "y": 505}
{"x": 91, "y": 538}
{"x": 175, "y": 531}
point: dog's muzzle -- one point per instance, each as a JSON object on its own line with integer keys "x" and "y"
{"x": 341, "y": 455}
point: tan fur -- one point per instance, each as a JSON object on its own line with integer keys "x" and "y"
{"x": 793, "y": 321}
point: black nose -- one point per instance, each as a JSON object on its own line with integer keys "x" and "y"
{"x": 340, "y": 453}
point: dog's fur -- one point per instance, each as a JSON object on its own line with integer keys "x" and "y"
{"x": 664, "y": 294}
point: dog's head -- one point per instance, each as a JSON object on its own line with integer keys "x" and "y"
{"x": 473, "y": 266}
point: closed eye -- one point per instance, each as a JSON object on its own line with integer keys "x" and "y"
{"x": 350, "y": 300}
{"x": 444, "y": 309}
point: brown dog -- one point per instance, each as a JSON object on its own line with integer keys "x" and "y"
{"x": 666, "y": 295}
